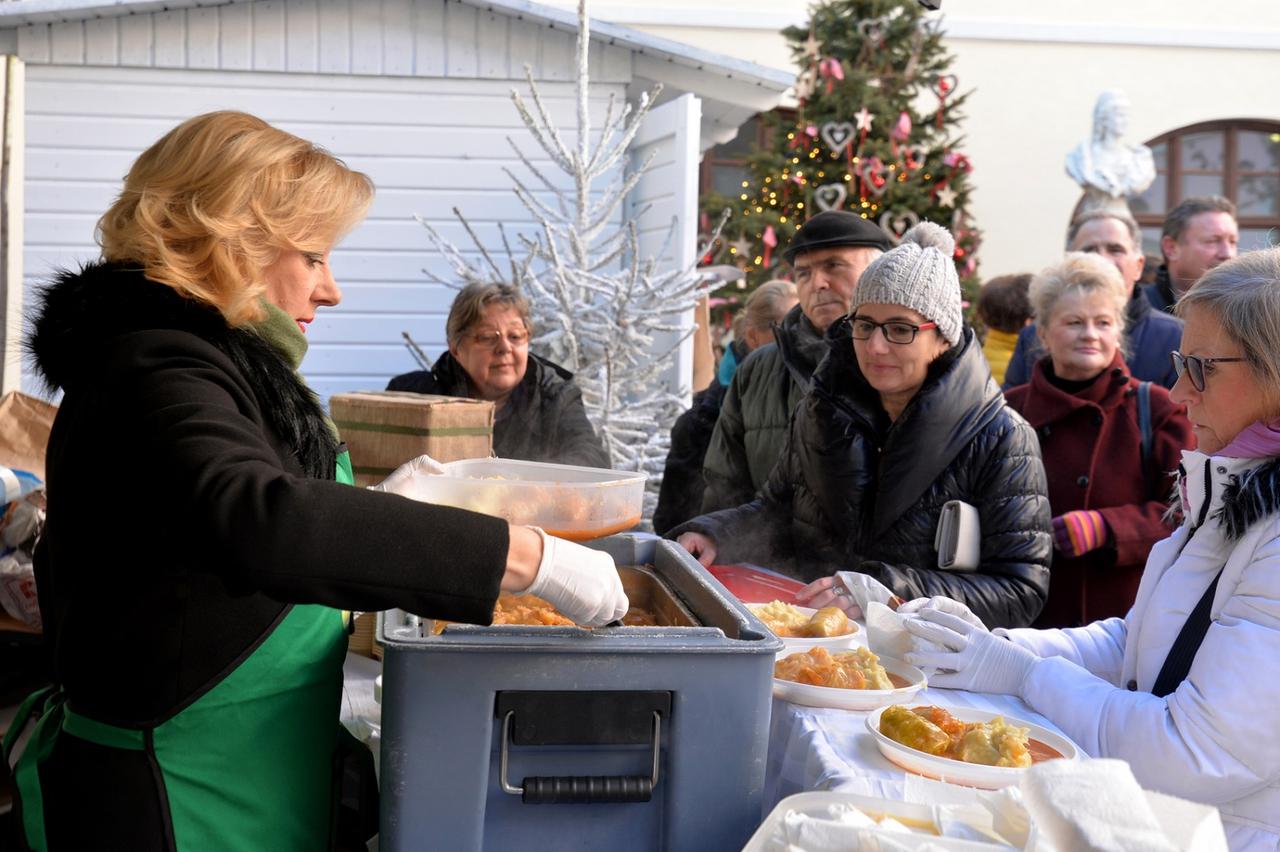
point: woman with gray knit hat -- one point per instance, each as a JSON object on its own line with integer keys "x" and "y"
{"x": 903, "y": 417}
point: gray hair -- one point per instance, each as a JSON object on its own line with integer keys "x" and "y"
{"x": 468, "y": 307}
{"x": 1078, "y": 272}
{"x": 1244, "y": 296}
{"x": 766, "y": 305}
{"x": 1179, "y": 217}
{"x": 1130, "y": 223}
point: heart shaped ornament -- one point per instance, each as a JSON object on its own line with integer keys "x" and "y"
{"x": 913, "y": 155}
{"x": 895, "y": 223}
{"x": 872, "y": 29}
{"x": 875, "y": 176}
{"x": 830, "y": 196}
{"x": 945, "y": 85}
{"x": 837, "y": 135}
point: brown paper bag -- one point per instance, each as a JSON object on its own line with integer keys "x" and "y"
{"x": 24, "y": 431}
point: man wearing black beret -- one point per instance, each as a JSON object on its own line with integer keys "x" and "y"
{"x": 827, "y": 255}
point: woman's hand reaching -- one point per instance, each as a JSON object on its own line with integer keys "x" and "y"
{"x": 829, "y": 591}
{"x": 702, "y": 547}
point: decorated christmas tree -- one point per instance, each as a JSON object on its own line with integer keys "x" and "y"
{"x": 875, "y": 133}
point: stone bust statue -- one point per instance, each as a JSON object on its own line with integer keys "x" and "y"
{"x": 1105, "y": 167}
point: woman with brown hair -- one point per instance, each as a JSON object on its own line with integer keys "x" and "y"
{"x": 197, "y": 681}
{"x": 539, "y": 412}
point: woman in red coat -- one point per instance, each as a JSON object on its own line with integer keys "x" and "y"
{"x": 1107, "y": 496}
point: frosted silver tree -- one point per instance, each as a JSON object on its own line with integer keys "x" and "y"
{"x": 600, "y": 308}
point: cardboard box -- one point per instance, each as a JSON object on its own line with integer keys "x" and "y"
{"x": 25, "y": 422}
{"x": 385, "y": 429}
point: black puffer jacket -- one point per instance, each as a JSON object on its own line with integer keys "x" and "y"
{"x": 752, "y": 427}
{"x": 853, "y": 491}
{"x": 544, "y": 419}
{"x": 680, "y": 497}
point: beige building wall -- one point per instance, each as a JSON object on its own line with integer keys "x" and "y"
{"x": 1036, "y": 69}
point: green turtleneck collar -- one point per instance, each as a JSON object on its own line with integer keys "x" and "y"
{"x": 282, "y": 332}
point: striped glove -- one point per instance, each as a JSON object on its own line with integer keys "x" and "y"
{"x": 1076, "y": 533}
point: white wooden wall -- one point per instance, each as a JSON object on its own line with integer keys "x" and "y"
{"x": 430, "y": 141}
{"x": 667, "y": 194}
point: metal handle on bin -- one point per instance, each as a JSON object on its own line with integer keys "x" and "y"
{"x": 581, "y": 789}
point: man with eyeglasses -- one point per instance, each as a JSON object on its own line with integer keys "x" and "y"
{"x": 827, "y": 256}
{"x": 1149, "y": 333}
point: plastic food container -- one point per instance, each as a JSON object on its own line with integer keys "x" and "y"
{"x": 578, "y": 503}
{"x": 919, "y": 819}
{"x": 622, "y": 739}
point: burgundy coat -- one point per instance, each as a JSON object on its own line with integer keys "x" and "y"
{"x": 1091, "y": 445}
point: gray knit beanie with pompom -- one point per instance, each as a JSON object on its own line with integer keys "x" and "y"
{"x": 917, "y": 274}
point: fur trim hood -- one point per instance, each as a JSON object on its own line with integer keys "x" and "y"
{"x": 1249, "y": 492}
{"x": 81, "y": 315}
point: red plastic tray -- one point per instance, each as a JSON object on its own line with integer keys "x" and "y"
{"x": 751, "y": 584}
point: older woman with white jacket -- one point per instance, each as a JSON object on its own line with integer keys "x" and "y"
{"x": 1185, "y": 687}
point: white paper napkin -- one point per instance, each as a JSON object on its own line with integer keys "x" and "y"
{"x": 1091, "y": 806}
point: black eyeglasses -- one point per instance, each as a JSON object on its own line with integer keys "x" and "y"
{"x": 490, "y": 339}
{"x": 895, "y": 331}
{"x": 1194, "y": 366}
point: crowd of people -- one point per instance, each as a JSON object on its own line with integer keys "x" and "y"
{"x": 1126, "y": 483}
{"x": 1124, "y": 490}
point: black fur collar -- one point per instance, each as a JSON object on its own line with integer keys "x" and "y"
{"x": 1249, "y": 498}
{"x": 80, "y": 311}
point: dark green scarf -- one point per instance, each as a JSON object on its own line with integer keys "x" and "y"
{"x": 282, "y": 332}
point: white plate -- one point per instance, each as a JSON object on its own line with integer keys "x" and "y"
{"x": 959, "y": 772}
{"x": 802, "y": 643}
{"x": 853, "y": 699}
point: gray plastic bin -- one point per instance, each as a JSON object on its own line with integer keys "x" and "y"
{"x": 709, "y": 686}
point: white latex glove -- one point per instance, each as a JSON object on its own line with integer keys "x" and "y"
{"x": 580, "y": 582}
{"x": 942, "y": 604}
{"x": 405, "y": 479}
{"x": 973, "y": 658}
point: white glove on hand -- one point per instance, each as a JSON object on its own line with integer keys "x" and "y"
{"x": 405, "y": 479}
{"x": 974, "y": 658}
{"x": 942, "y": 604}
{"x": 580, "y": 582}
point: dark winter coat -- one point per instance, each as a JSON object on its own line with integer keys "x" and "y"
{"x": 752, "y": 426}
{"x": 1150, "y": 336}
{"x": 1091, "y": 445}
{"x": 854, "y": 491}
{"x": 680, "y": 497}
{"x": 544, "y": 419}
{"x": 191, "y": 502}
{"x": 1160, "y": 292}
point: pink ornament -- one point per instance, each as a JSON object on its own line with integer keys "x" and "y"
{"x": 770, "y": 240}
{"x": 902, "y": 128}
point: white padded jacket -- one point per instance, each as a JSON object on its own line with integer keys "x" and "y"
{"x": 1216, "y": 738}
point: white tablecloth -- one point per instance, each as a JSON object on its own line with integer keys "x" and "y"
{"x": 812, "y": 748}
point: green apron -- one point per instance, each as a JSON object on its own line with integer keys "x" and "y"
{"x": 247, "y": 766}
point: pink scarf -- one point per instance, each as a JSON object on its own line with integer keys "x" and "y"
{"x": 1258, "y": 441}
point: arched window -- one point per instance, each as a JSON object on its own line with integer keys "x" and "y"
{"x": 1239, "y": 158}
